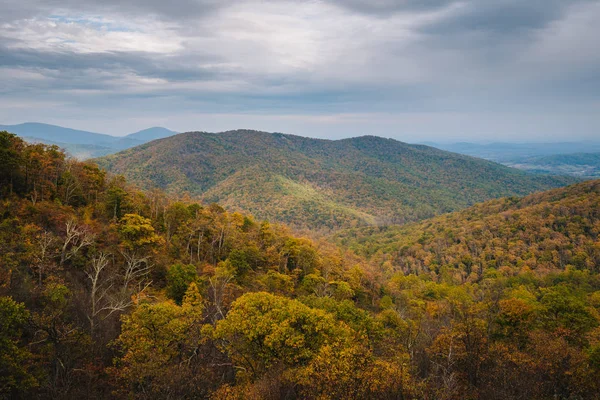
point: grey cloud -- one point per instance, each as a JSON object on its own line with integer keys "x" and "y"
{"x": 501, "y": 17}
{"x": 387, "y": 7}
{"x": 143, "y": 64}
{"x": 467, "y": 54}
{"x": 180, "y": 9}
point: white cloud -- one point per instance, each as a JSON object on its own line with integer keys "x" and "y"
{"x": 90, "y": 35}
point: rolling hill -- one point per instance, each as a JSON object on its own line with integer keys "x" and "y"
{"x": 541, "y": 233}
{"x": 84, "y": 144}
{"x": 578, "y": 159}
{"x": 314, "y": 183}
{"x": 576, "y": 164}
{"x": 513, "y": 152}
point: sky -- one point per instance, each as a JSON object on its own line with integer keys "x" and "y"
{"x": 414, "y": 70}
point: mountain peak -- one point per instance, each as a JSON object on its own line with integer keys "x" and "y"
{"x": 156, "y": 132}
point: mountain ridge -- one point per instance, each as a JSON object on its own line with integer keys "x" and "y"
{"x": 383, "y": 180}
{"x": 84, "y": 144}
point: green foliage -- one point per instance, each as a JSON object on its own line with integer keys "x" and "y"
{"x": 262, "y": 330}
{"x": 137, "y": 232}
{"x": 343, "y": 310}
{"x": 10, "y": 158}
{"x": 563, "y": 309}
{"x": 15, "y": 378}
{"x": 179, "y": 277}
{"x": 155, "y": 340}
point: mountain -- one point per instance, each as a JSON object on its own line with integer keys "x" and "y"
{"x": 577, "y": 164}
{"x": 569, "y": 158}
{"x": 84, "y": 144}
{"x": 149, "y": 134}
{"x": 315, "y": 183}
{"x": 515, "y": 152}
{"x": 58, "y": 134}
{"x": 544, "y": 232}
{"x": 107, "y": 291}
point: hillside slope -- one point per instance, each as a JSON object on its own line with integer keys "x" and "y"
{"x": 321, "y": 183}
{"x": 543, "y": 232}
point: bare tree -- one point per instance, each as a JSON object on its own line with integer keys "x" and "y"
{"x": 111, "y": 293}
{"x": 100, "y": 287}
{"x": 76, "y": 238}
{"x": 136, "y": 268}
{"x": 218, "y": 285}
{"x": 44, "y": 243}
{"x": 70, "y": 183}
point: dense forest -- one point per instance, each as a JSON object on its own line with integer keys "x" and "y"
{"x": 321, "y": 184}
{"x": 543, "y": 233}
{"x": 108, "y": 291}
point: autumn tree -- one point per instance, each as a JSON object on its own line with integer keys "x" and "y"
{"x": 15, "y": 374}
{"x": 161, "y": 344}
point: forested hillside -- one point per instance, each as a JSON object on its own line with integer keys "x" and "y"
{"x": 540, "y": 233}
{"x": 321, "y": 184}
{"x": 110, "y": 292}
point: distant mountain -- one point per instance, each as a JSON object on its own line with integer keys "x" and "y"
{"x": 84, "y": 144}
{"x": 80, "y": 151}
{"x": 315, "y": 183}
{"x": 513, "y": 152}
{"x": 58, "y": 134}
{"x": 585, "y": 165}
{"x": 149, "y": 134}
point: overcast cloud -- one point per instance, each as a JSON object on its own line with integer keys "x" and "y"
{"x": 414, "y": 70}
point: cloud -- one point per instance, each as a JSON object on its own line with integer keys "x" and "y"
{"x": 387, "y": 7}
{"x": 183, "y": 9}
{"x": 501, "y": 16}
{"x": 144, "y": 59}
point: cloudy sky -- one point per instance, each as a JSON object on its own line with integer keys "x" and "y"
{"x": 414, "y": 70}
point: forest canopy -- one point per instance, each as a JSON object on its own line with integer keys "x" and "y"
{"x": 108, "y": 291}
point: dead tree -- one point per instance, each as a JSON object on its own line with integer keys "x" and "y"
{"x": 76, "y": 238}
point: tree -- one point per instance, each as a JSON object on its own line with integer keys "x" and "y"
{"x": 99, "y": 289}
{"x": 117, "y": 198}
{"x": 43, "y": 249}
{"x": 15, "y": 377}
{"x": 138, "y": 241}
{"x": 160, "y": 344}
{"x": 76, "y": 237}
{"x": 10, "y": 161}
{"x": 564, "y": 310}
{"x": 61, "y": 344}
{"x": 137, "y": 233}
{"x": 262, "y": 330}
{"x": 179, "y": 277}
